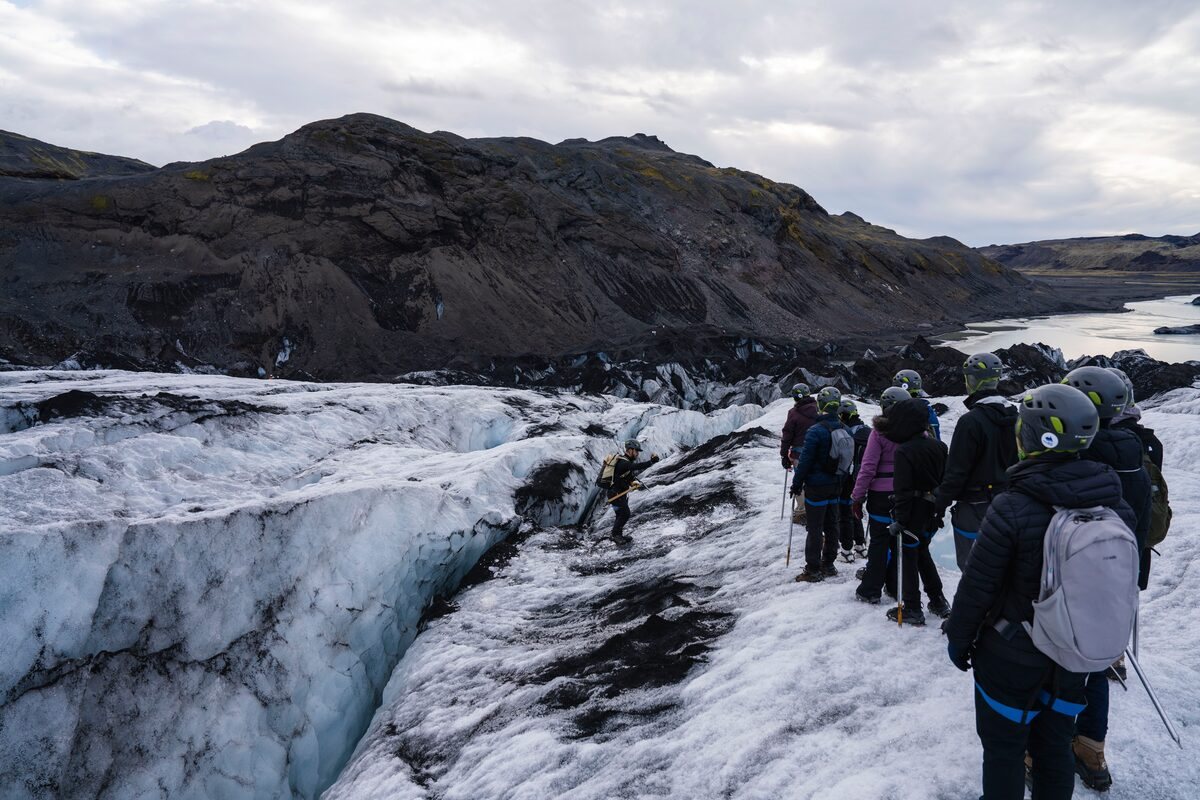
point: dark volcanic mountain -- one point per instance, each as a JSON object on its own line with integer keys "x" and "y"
{"x": 360, "y": 248}
{"x": 1132, "y": 252}
{"x": 22, "y": 157}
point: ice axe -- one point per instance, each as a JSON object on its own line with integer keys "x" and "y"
{"x": 632, "y": 487}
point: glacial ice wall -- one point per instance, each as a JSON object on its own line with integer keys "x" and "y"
{"x": 205, "y": 582}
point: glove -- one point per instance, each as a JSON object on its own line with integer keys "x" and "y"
{"x": 787, "y": 462}
{"x": 959, "y": 657}
{"x": 856, "y": 508}
{"x": 654, "y": 459}
{"x": 796, "y": 491}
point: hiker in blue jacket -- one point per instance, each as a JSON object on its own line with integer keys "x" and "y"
{"x": 821, "y": 489}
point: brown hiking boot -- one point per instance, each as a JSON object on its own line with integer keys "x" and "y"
{"x": 1090, "y": 763}
{"x": 810, "y": 577}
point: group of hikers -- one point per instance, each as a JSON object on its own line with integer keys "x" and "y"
{"x": 1069, "y": 469}
{"x": 1014, "y": 480}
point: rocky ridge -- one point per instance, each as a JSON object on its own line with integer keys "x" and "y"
{"x": 361, "y": 248}
{"x": 1131, "y": 252}
{"x": 22, "y": 157}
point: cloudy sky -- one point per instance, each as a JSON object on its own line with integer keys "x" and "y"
{"x": 990, "y": 122}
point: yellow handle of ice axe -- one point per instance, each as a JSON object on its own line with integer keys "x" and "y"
{"x": 632, "y": 487}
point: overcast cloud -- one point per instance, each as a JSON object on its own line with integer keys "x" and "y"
{"x": 988, "y": 122}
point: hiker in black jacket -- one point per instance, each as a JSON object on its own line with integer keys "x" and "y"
{"x": 850, "y": 527}
{"x": 1130, "y": 419}
{"x": 910, "y": 381}
{"x": 920, "y": 461}
{"x": 1122, "y": 450}
{"x": 625, "y": 470}
{"x": 1023, "y": 700}
{"x": 982, "y": 449}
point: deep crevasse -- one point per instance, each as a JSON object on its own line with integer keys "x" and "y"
{"x": 220, "y": 578}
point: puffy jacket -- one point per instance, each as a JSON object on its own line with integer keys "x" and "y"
{"x": 920, "y": 462}
{"x": 1122, "y": 450}
{"x": 982, "y": 449}
{"x": 877, "y": 468}
{"x": 810, "y": 466}
{"x": 1004, "y": 571}
{"x": 800, "y": 418}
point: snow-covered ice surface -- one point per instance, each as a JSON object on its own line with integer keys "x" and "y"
{"x": 206, "y": 582}
{"x": 689, "y": 665}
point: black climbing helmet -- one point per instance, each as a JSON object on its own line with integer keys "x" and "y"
{"x": 1120, "y": 373}
{"x": 982, "y": 371}
{"x": 891, "y": 396}
{"x": 829, "y": 399}
{"x": 1056, "y": 419}
{"x": 847, "y": 408}
{"x": 1102, "y": 387}
{"x": 909, "y": 380}
{"x": 633, "y": 444}
{"x": 801, "y": 390}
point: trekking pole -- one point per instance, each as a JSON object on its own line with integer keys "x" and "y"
{"x": 783, "y": 505}
{"x": 1112, "y": 671}
{"x": 787, "y": 561}
{"x": 1135, "y": 630}
{"x": 1153, "y": 697}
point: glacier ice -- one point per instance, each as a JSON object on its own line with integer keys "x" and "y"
{"x": 689, "y": 665}
{"x": 206, "y": 582}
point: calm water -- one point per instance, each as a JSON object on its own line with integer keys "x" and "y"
{"x": 1094, "y": 334}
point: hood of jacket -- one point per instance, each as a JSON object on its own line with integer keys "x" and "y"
{"x": 995, "y": 407}
{"x": 906, "y": 420}
{"x": 1069, "y": 482}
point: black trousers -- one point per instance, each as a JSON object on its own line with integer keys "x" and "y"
{"x": 879, "y": 510}
{"x": 1003, "y": 690}
{"x": 621, "y": 507}
{"x": 967, "y": 518}
{"x": 821, "y": 545}
{"x": 850, "y": 530}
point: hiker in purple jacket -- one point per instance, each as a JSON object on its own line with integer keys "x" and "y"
{"x": 874, "y": 489}
{"x": 800, "y": 418}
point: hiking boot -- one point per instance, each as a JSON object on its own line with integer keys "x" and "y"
{"x": 860, "y": 550}
{"x": 848, "y": 556}
{"x": 858, "y": 575}
{"x": 620, "y": 538}
{"x": 810, "y": 577}
{"x": 862, "y": 598}
{"x": 916, "y": 617}
{"x": 1090, "y": 764}
{"x": 828, "y": 570}
{"x": 939, "y": 607}
{"x": 1117, "y": 670}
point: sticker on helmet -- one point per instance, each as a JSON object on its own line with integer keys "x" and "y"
{"x": 1049, "y": 439}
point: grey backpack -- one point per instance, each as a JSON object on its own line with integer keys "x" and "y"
{"x": 841, "y": 452}
{"x": 1083, "y": 616}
